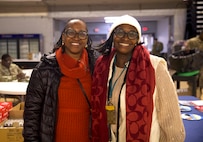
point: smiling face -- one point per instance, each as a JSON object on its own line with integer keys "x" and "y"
{"x": 126, "y": 43}
{"x": 75, "y": 38}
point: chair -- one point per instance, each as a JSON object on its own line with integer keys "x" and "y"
{"x": 189, "y": 77}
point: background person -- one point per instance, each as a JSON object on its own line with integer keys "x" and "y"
{"x": 57, "y": 100}
{"x": 133, "y": 95}
{"x": 157, "y": 47}
{"x": 196, "y": 43}
{"x": 10, "y": 71}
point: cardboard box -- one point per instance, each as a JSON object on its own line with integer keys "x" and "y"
{"x": 17, "y": 111}
{"x": 13, "y": 133}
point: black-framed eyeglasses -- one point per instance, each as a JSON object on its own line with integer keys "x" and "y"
{"x": 72, "y": 33}
{"x": 121, "y": 33}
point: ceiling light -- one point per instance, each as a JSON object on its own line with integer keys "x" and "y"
{"x": 110, "y": 19}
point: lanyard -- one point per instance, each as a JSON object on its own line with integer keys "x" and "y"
{"x": 110, "y": 93}
{"x": 111, "y": 86}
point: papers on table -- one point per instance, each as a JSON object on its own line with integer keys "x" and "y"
{"x": 186, "y": 105}
{"x": 191, "y": 116}
{"x": 191, "y": 102}
{"x": 185, "y": 108}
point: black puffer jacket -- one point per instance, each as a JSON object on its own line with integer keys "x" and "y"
{"x": 41, "y": 101}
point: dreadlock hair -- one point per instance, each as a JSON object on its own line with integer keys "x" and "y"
{"x": 105, "y": 47}
{"x": 59, "y": 43}
{"x": 91, "y": 55}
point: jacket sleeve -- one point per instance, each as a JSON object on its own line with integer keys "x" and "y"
{"x": 33, "y": 108}
{"x": 168, "y": 112}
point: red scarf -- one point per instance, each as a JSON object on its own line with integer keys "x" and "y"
{"x": 140, "y": 83}
{"x": 71, "y": 67}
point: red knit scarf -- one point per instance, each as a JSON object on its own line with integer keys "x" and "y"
{"x": 140, "y": 83}
{"x": 71, "y": 67}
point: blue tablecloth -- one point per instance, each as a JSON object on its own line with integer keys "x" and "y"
{"x": 194, "y": 129}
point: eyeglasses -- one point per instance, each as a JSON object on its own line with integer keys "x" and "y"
{"x": 72, "y": 33}
{"x": 121, "y": 33}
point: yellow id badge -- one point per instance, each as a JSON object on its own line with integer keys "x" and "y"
{"x": 111, "y": 114}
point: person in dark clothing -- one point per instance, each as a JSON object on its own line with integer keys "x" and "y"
{"x": 157, "y": 47}
{"x": 57, "y": 100}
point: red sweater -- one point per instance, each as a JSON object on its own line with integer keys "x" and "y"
{"x": 73, "y": 110}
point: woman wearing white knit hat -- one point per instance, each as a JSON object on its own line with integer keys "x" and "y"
{"x": 133, "y": 95}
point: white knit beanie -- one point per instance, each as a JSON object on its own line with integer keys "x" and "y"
{"x": 126, "y": 19}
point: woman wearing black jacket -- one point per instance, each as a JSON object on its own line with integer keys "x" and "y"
{"x": 54, "y": 93}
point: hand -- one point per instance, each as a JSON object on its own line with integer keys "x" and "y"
{"x": 20, "y": 76}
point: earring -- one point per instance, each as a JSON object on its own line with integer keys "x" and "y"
{"x": 86, "y": 46}
{"x": 62, "y": 43}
